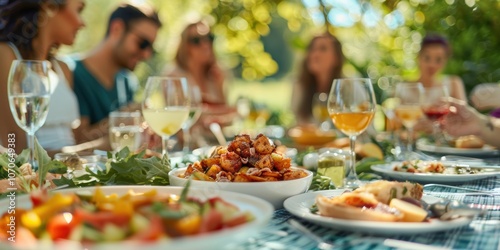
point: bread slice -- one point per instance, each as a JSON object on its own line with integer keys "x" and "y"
{"x": 384, "y": 191}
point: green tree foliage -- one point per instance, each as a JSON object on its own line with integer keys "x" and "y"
{"x": 381, "y": 41}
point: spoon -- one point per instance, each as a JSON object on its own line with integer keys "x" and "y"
{"x": 217, "y": 131}
{"x": 449, "y": 210}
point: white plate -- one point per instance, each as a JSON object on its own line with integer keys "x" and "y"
{"x": 300, "y": 206}
{"x": 425, "y": 146}
{"x": 387, "y": 169}
{"x": 273, "y": 191}
{"x": 261, "y": 210}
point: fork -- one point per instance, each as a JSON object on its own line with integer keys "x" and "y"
{"x": 325, "y": 245}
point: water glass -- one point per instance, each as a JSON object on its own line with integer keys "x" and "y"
{"x": 125, "y": 130}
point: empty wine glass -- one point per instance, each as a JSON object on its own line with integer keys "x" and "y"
{"x": 194, "y": 115}
{"x": 435, "y": 108}
{"x": 166, "y": 106}
{"x": 29, "y": 96}
{"x": 409, "y": 97}
{"x": 352, "y": 105}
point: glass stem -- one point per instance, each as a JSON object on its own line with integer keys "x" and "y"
{"x": 164, "y": 145}
{"x": 31, "y": 146}
{"x": 435, "y": 132}
{"x": 409, "y": 147}
{"x": 352, "y": 180}
{"x": 187, "y": 140}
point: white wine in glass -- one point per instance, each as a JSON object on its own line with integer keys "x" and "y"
{"x": 166, "y": 106}
{"x": 409, "y": 110}
{"x": 352, "y": 104}
{"x": 29, "y": 94}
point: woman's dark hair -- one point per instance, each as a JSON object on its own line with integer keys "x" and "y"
{"x": 308, "y": 82}
{"x": 436, "y": 39}
{"x": 20, "y": 21}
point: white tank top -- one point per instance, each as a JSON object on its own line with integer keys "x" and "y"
{"x": 57, "y": 130}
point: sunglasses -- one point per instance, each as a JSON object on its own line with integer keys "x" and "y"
{"x": 143, "y": 43}
{"x": 197, "y": 40}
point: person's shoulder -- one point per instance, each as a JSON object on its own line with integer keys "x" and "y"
{"x": 454, "y": 78}
{"x": 66, "y": 71}
{"x": 7, "y": 53}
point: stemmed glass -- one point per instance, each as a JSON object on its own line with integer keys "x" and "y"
{"x": 435, "y": 108}
{"x": 29, "y": 96}
{"x": 166, "y": 106}
{"x": 320, "y": 110}
{"x": 352, "y": 105}
{"x": 194, "y": 115}
{"x": 409, "y": 111}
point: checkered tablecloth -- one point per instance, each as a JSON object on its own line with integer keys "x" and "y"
{"x": 482, "y": 234}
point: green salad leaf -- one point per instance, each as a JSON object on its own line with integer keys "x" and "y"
{"x": 124, "y": 168}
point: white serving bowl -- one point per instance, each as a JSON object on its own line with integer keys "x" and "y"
{"x": 275, "y": 192}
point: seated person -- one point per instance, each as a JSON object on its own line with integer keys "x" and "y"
{"x": 434, "y": 53}
{"x": 196, "y": 60}
{"x": 322, "y": 64}
{"x": 103, "y": 78}
{"x": 61, "y": 24}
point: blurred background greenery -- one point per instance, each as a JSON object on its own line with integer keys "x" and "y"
{"x": 262, "y": 41}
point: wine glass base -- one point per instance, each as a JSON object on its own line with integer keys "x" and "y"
{"x": 352, "y": 184}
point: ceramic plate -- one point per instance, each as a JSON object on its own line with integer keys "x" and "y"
{"x": 387, "y": 170}
{"x": 261, "y": 209}
{"x": 425, "y": 146}
{"x": 300, "y": 206}
{"x": 274, "y": 192}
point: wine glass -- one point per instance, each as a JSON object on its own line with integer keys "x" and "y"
{"x": 320, "y": 110}
{"x": 352, "y": 105}
{"x": 409, "y": 111}
{"x": 194, "y": 115}
{"x": 125, "y": 130}
{"x": 435, "y": 108}
{"x": 166, "y": 106}
{"x": 29, "y": 96}
{"x": 388, "y": 103}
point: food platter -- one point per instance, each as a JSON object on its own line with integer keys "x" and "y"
{"x": 258, "y": 207}
{"x": 426, "y": 146}
{"x": 388, "y": 170}
{"x": 300, "y": 206}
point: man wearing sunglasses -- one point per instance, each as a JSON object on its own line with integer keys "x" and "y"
{"x": 103, "y": 79}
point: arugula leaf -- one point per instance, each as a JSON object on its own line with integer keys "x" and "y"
{"x": 321, "y": 182}
{"x": 185, "y": 191}
{"x": 127, "y": 169}
{"x": 43, "y": 161}
{"x": 22, "y": 157}
{"x": 57, "y": 167}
